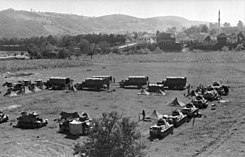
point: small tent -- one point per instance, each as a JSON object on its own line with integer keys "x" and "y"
{"x": 73, "y": 88}
{"x": 36, "y": 89}
{"x": 155, "y": 115}
{"x": 160, "y": 92}
{"x": 143, "y": 92}
{"x": 176, "y": 102}
{"x": 12, "y": 94}
{"x": 26, "y": 90}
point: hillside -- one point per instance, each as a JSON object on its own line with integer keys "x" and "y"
{"x": 26, "y": 24}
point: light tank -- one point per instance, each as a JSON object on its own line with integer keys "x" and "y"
{"x": 31, "y": 121}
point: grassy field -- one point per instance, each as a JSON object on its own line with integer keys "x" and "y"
{"x": 219, "y": 133}
{"x": 188, "y": 57}
{"x": 16, "y": 65}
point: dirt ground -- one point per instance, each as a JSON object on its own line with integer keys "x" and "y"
{"x": 220, "y": 133}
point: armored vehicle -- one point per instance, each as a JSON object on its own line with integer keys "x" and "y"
{"x": 177, "y": 118}
{"x": 200, "y": 102}
{"x": 175, "y": 83}
{"x": 161, "y": 129}
{"x": 137, "y": 81}
{"x": 59, "y": 83}
{"x": 222, "y": 90}
{"x": 83, "y": 123}
{"x": 191, "y": 111}
{"x": 94, "y": 84}
{"x": 31, "y": 121}
{"x": 211, "y": 94}
{"x": 3, "y": 117}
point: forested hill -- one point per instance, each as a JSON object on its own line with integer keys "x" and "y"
{"x": 26, "y": 24}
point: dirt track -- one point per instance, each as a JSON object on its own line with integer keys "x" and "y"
{"x": 220, "y": 132}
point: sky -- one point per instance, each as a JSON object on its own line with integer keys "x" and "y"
{"x": 202, "y": 10}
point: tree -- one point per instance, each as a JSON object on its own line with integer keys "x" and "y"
{"x": 33, "y": 51}
{"x": 84, "y": 47}
{"x": 240, "y": 25}
{"x": 226, "y": 24}
{"x": 204, "y": 28}
{"x": 212, "y": 32}
{"x": 63, "y": 53}
{"x": 112, "y": 135}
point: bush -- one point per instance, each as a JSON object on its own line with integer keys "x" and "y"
{"x": 112, "y": 136}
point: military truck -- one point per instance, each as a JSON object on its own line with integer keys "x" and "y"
{"x": 106, "y": 77}
{"x": 161, "y": 129}
{"x": 94, "y": 84}
{"x": 59, "y": 83}
{"x": 136, "y": 81}
{"x": 175, "y": 83}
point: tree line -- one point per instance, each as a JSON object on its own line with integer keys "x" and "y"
{"x": 64, "y": 46}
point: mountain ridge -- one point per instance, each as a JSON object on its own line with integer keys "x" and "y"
{"x": 19, "y": 23}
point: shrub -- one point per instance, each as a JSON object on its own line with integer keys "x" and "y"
{"x": 112, "y": 136}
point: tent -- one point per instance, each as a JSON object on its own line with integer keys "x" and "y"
{"x": 73, "y": 88}
{"x": 192, "y": 93}
{"x": 155, "y": 115}
{"x": 12, "y": 94}
{"x": 176, "y": 102}
{"x": 159, "y": 92}
{"x": 143, "y": 92}
{"x": 36, "y": 89}
{"x": 26, "y": 90}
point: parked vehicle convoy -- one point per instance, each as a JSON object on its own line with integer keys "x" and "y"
{"x": 59, "y": 83}
{"x": 136, "y": 81}
{"x": 161, "y": 129}
{"x": 175, "y": 83}
{"x": 94, "y": 84}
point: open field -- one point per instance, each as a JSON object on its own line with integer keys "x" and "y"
{"x": 220, "y": 132}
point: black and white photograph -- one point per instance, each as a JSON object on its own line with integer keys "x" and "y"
{"x": 122, "y": 78}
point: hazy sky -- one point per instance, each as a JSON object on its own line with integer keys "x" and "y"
{"x": 202, "y": 10}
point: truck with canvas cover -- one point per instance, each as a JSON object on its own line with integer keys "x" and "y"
{"x": 59, "y": 83}
{"x": 175, "y": 83}
{"x": 161, "y": 129}
{"x": 107, "y": 78}
{"x": 137, "y": 81}
{"x": 94, "y": 84}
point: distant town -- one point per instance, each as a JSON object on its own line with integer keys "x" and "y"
{"x": 212, "y": 37}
